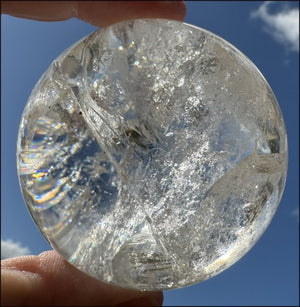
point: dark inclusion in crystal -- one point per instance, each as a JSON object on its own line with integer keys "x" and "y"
{"x": 152, "y": 154}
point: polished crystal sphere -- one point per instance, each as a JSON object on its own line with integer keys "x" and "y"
{"x": 152, "y": 154}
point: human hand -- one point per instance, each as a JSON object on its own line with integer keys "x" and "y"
{"x": 48, "y": 279}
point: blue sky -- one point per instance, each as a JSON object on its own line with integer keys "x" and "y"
{"x": 267, "y": 33}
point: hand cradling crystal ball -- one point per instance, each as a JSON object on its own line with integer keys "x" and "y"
{"x": 152, "y": 154}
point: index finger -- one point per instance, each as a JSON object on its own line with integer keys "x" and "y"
{"x": 98, "y": 13}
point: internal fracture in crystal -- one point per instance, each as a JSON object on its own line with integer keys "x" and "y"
{"x": 152, "y": 154}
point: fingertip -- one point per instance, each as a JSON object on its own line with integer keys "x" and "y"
{"x": 97, "y": 13}
{"x": 105, "y": 13}
{"x": 48, "y": 279}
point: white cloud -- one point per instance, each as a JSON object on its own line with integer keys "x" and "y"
{"x": 11, "y": 249}
{"x": 283, "y": 26}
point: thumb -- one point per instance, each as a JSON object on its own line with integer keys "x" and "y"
{"x": 48, "y": 279}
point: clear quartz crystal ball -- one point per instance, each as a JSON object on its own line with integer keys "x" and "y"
{"x": 152, "y": 154}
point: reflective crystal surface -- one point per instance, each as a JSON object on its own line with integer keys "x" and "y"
{"x": 152, "y": 154}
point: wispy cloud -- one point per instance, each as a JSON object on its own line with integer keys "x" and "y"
{"x": 11, "y": 249}
{"x": 283, "y": 26}
{"x": 295, "y": 213}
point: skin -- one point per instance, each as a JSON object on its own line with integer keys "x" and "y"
{"x": 48, "y": 279}
{"x": 98, "y": 13}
